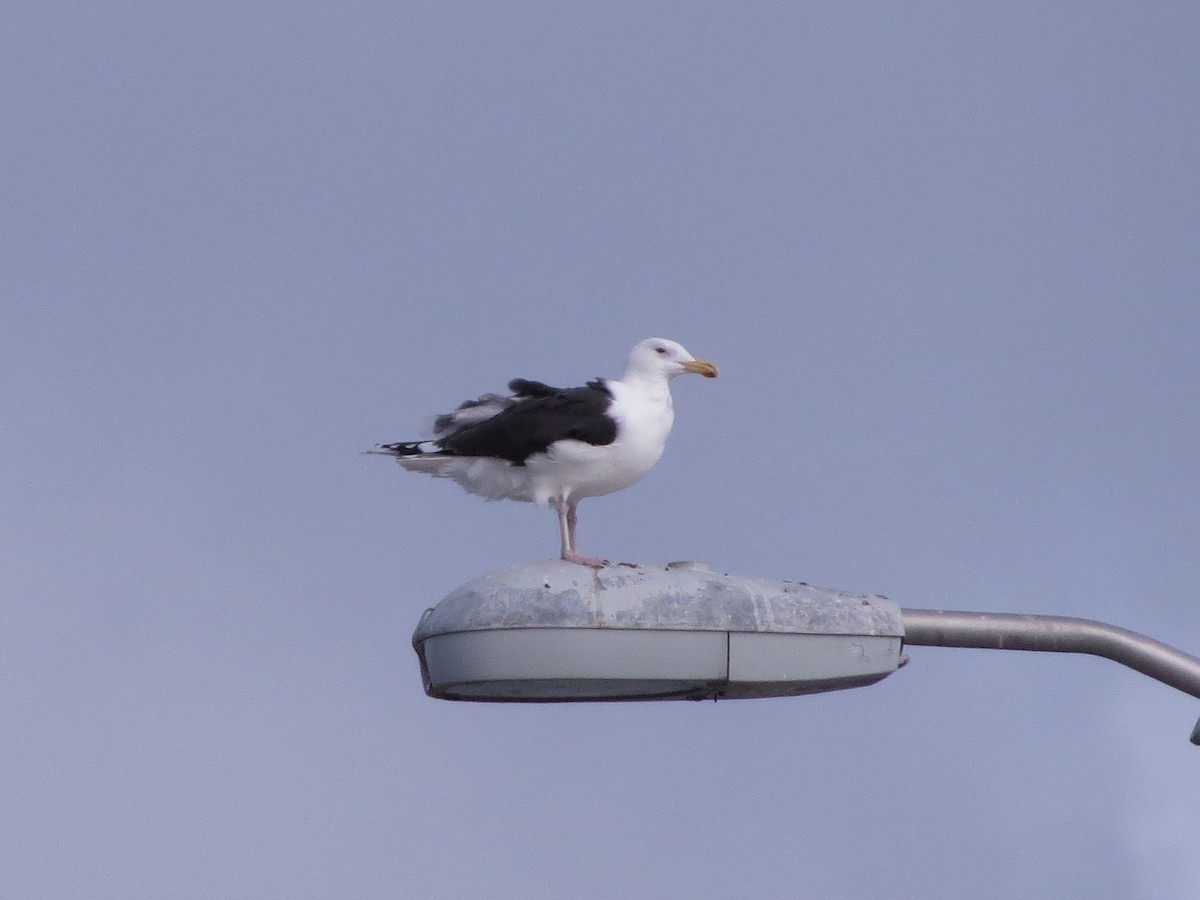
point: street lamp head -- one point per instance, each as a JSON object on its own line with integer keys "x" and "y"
{"x": 556, "y": 631}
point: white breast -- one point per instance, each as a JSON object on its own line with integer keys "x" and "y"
{"x": 573, "y": 469}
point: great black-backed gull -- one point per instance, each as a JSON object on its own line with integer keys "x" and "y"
{"x": 554, "y": 446}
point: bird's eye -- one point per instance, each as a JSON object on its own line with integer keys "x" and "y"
{"x": 661, "y": 351}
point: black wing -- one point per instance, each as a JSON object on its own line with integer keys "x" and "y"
{"x": 532, "y": 424}
{"x": 523, "y": 387}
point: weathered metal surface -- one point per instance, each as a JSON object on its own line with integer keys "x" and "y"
{"x": 557, "y": 594}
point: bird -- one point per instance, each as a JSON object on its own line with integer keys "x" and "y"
{"x": 556, "y": 446}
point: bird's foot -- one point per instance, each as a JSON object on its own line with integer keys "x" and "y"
{"x": 572, "y": 556}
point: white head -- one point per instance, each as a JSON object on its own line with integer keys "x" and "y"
{"x": 665, "y": 359}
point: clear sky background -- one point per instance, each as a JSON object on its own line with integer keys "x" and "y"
{"x": 947, "y": 258}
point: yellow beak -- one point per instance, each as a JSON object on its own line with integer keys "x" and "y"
{"x": 701, "y": 367}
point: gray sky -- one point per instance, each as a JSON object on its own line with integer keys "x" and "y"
{"x": 946, "y": 257}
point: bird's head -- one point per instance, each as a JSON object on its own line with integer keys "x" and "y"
{"x": 659, "y": 356}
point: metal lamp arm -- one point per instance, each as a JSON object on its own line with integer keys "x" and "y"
{"x": 1055, "y": 634}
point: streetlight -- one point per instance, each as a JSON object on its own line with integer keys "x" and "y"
{"x": 555, "y": 631}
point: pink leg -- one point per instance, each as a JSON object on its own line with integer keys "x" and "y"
{"x": 567, "y": 520}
